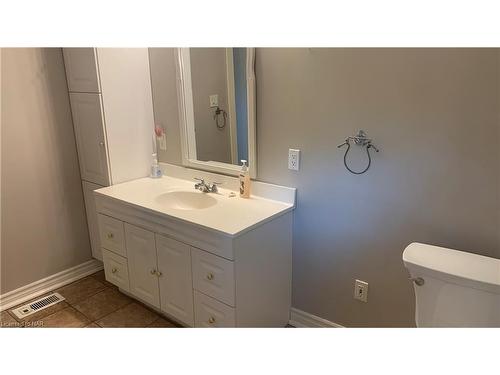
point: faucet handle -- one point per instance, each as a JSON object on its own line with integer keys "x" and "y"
{"x": 213, "y": 186}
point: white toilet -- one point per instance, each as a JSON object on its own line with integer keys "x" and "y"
{"x": 453, "y": 288}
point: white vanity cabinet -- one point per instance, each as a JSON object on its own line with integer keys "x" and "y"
{"x": 111, "y": 104}
{"x": 198, "y": 276}
{"x": 154, "y": 268}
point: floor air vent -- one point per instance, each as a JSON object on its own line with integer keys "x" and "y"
{"x": 38, "y": 305}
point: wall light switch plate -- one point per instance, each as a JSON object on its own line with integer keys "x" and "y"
{"x": 162, "y": 141}
{"x": 293, "y": 159}
{"x": 214, "y": 100}
{"x": 361, "y": 290}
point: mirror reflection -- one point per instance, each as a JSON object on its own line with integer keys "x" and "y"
{"x": 219, "y": 91}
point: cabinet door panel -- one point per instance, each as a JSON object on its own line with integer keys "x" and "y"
{"x": 141, "y": 253}
{"x": 81, "y": 69}
{"x": 91, "y": 141}
{"x": 176, "y": 286}
{"x": 92, "y": 222}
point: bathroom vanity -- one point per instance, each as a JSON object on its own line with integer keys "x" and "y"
{"x": 203, "y": 259}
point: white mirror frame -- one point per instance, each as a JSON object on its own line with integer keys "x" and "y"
{"x": 186, "y": 117}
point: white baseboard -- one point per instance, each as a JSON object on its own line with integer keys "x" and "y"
{"x": 302, "y": 319}
{"x": 48, "y": 284}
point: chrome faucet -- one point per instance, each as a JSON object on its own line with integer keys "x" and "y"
{"x": 206, "y": 187}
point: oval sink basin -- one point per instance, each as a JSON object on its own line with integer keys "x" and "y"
{"x": 186, "y": 200}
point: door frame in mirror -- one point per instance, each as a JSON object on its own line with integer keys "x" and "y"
{"x": 186, "y": 117}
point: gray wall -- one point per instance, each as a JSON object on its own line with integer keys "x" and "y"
{"x": 434, "y": 114}
{"x": 165, "y": 103}
{"x": 44, "y": 229}
{"x": 209, "y": 77}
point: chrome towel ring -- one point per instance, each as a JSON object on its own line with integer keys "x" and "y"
{"x": 219, "y": 111}
{"x": 360, "y": 140}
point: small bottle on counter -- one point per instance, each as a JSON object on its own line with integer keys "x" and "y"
{"x": 244, "y": 180}
{"x": 155, "y": 167}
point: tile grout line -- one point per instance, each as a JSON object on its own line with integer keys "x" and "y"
{"x": 107, "y": 287}
{"x": 71, "y": 305}
{"x": 102, "y": 317}
{"x": 132, "y": 301}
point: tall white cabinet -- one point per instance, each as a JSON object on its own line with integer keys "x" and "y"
{"x": 112, "y": 107}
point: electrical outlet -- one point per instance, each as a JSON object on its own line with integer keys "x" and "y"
{"x": 162, "y": 141}
{"x": 214, "y": 100}
{"x": 361, "y": 290}
{"x": 293, "y": 159}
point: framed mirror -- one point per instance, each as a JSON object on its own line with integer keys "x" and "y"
{"x": 216, "y": 90}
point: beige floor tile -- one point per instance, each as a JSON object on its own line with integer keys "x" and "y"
{"x": 132, "y": 315}
{"x": 162, "y": 323}
{"x": 101, "y": 277}
{"x": 7, "y": 321}
{"x": 81, "y": 290}
{"x": 67, "y": 318}
{"x": 102, "y": 303}
{"x": 92, "y": 325}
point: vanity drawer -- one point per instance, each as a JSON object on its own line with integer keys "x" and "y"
{"x": 116, "y": 269}
{"x": 112, "y": 234}
{"x": 213, "y": 275}
{"x": 209, "y": 312}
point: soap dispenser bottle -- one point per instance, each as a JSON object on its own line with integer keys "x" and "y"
{"x": 244, "y": 180}
{"x": 155, "y": 167}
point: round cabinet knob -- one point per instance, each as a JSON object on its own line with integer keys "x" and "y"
{"x": 153, "y": 272}
{"x": 210, "y": 276}
{"x": 110, "y": 235}
{"x": 211, "y": 320}
{"x": 158, "y": 273}
{"x": 418, "y": 280}
{"x": 101, "y": 144}
{"x": 114, "y": 270}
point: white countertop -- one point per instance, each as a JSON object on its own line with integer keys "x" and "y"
{"x": 230, "y": 216}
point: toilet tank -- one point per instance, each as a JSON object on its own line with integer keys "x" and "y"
{"x": 453, "y": 288}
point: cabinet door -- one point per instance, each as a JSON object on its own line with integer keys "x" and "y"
{"x": 141, "y": 253}
{"x": 91, "y": 141}
{"x": 81, "y": 69}
{"x": 92, "y": 222}
{"x": 176, "y": 287}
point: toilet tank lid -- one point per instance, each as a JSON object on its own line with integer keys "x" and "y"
{"x": 455, "y": 263}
